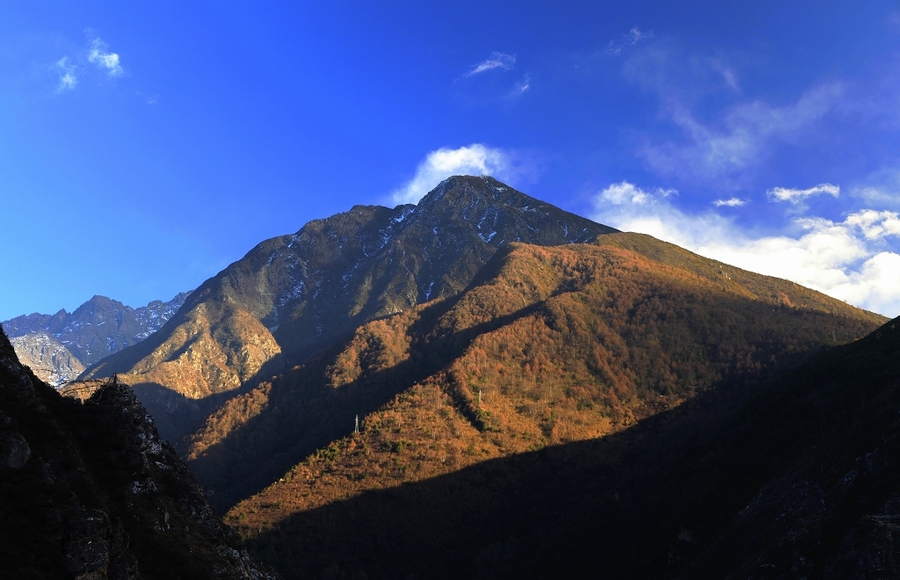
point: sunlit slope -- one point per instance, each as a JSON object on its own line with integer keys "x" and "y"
{"x": 548, "y": 345}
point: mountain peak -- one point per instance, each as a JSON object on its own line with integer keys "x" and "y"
{"x": 300, "y": 294}
{"x": 483, "y": 186}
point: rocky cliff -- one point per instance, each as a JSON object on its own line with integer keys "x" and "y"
{"x": 50, "y": 360}
{"x": 90, "y": 491}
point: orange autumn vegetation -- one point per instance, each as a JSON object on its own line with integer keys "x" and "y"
{"x": 548, "y": 345}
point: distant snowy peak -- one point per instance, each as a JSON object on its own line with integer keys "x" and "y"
{"x": 98, "y": 328}
{"x": 154, "y": 315}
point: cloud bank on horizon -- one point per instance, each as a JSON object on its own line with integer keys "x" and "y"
{"x": 848, "y": 259}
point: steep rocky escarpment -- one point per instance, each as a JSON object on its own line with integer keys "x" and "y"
{"x": 89, "y": 490}
{"x": 50, "y": 360}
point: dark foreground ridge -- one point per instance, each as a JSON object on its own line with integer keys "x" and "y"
{"x": 89, "y": 491}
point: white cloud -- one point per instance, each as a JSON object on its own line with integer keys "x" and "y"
{"x": 732, "y": 202}
{"x": 521, "y": 86}
{"x": 850, "y": 260}
{"x": 875, "y": 225}
{"x": 103, "y": 59}
{"x": 797, "y": 195}
{"x": 499, "y": 60}
{"x": 628, "y": 193}
{"x": 97, "y": 55}
{"x": 476, "y": 159}
{"x": 630, "y": 38}
{"x": 67, "y": 76}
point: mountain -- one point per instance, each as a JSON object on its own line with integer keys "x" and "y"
{"x": 621, "y": 409}
{"x": 548, "y": 345}
{"x": 483, "y": 351}
{"x": 294, "y": 296}
{"x": 89, "y": 490}
{"x": 59, "y": 347}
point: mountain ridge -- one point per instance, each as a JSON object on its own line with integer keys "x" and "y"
{"x": 51, "y": 343}
{"x": 295, "y": 295}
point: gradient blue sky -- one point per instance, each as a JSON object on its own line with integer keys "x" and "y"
{"x": 145, "y": 146}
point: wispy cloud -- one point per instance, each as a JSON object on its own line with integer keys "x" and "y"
{"x": 626, "y": 193}
{"x": 797, "y": 195}
{"x": 100, "y": 56}
{"x": 732, "y": 202}
{"x": 881, "y": 188}
{"x": 856, "y": 259}
{"x": 720, "y": 137}
{"x": 741, "y": 139}
{"x": 497, "y": 60}
{"x": 729, "y": 76}
{"x": 67, "y": 75}
{"x": 72, "y": 68}
{"x": 521, "y": 86}
{"x": 630, "y": 38}
{"x": 476, "y": 159}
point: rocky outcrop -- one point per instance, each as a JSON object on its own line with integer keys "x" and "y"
{"x": 50, "y": 360}
{"x": 14, "y": 450}
{"x": 88, "y": 490}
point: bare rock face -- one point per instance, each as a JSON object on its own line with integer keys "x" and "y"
{"x": 88, "y": 490}
{"x": 50, "y": 360}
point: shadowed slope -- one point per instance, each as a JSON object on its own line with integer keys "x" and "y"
{"x": 91, "y": 491}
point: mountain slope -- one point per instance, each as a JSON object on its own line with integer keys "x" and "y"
{"x": 826, "y": 503}
{"x": 441, "y": 483}
{"x": 294, "y": 296}
{"x": 91, "y": 491}
{"x": 548, "y": 345}
{"x": 50, "y": 344}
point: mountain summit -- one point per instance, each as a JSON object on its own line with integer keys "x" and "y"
{"x": 295, "y": 295}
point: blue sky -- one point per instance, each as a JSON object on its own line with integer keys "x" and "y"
{"x": 145, "y": 146}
